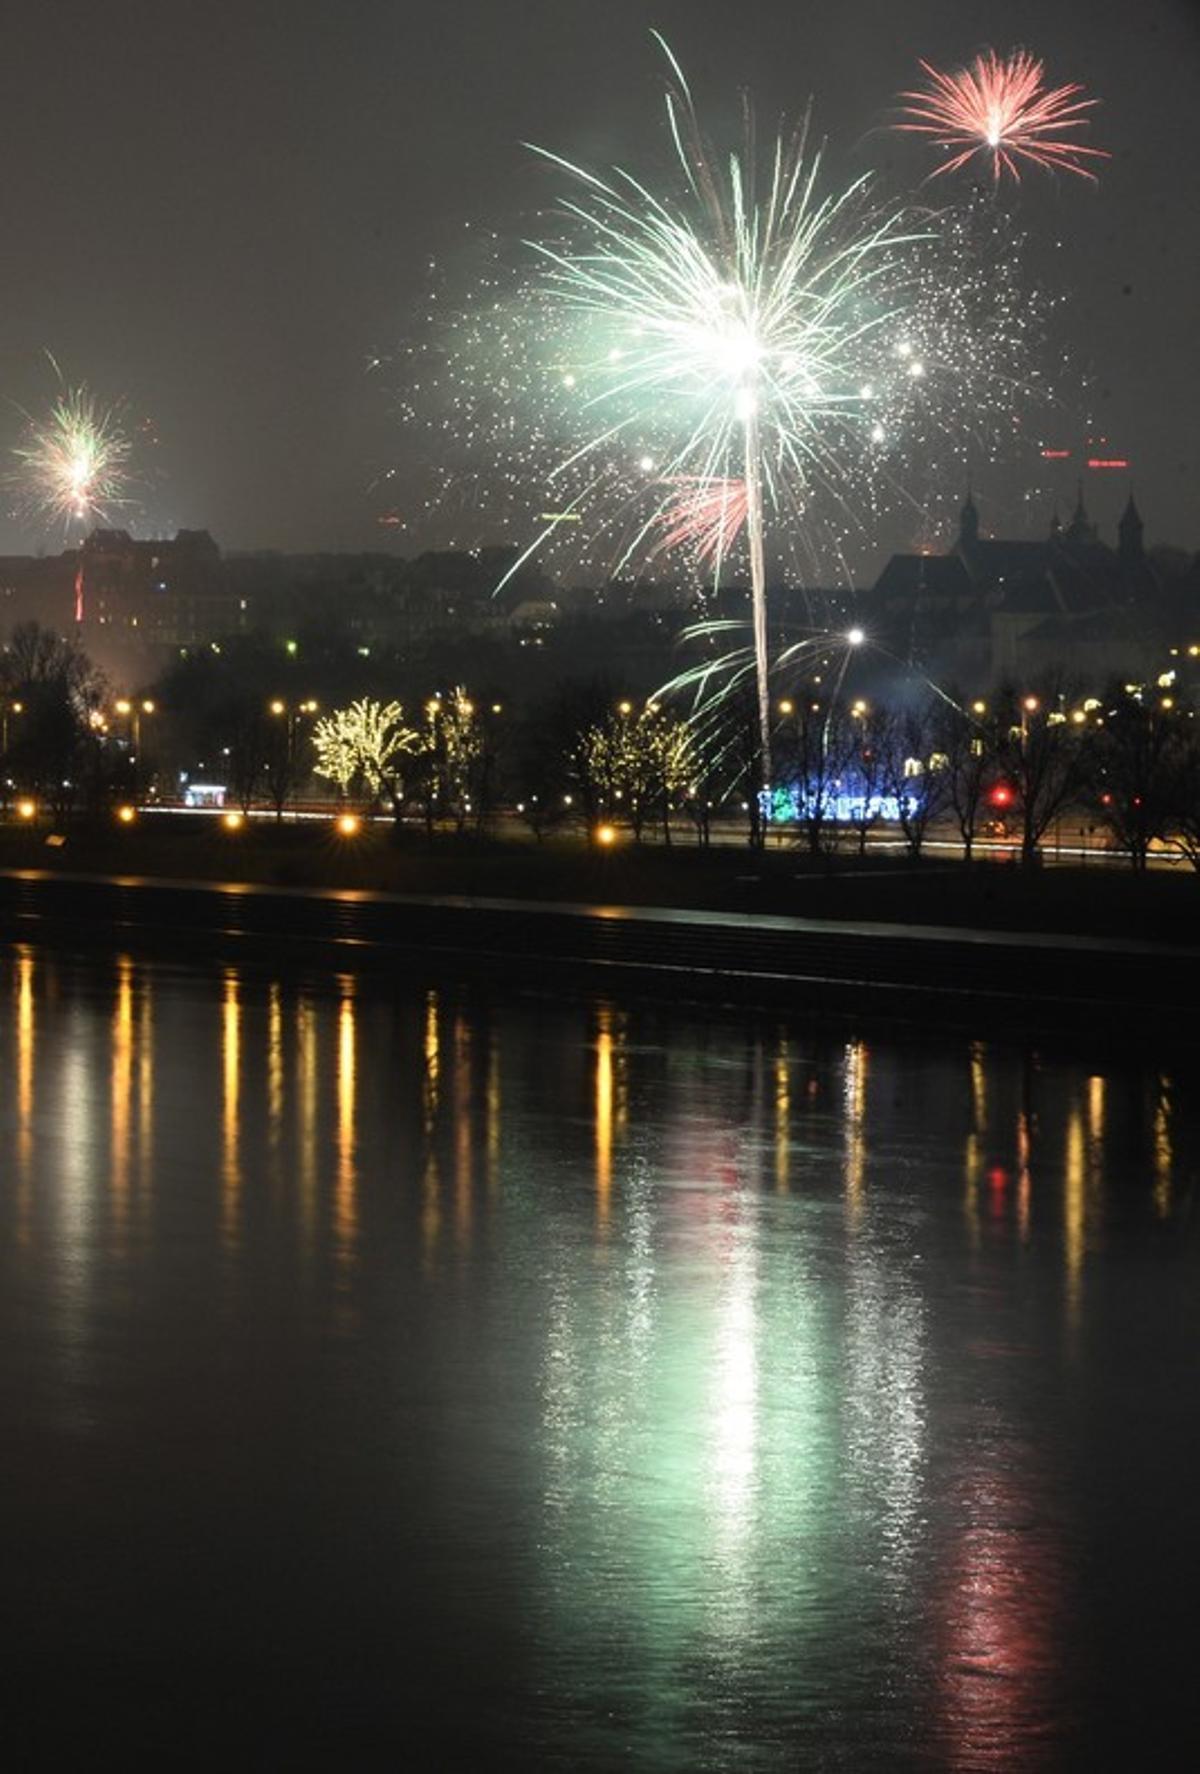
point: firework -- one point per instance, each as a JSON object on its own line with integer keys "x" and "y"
{"x": 1001, "y": 110}
{"x": 708, "y": 516}
{"x": 727, "y": 373}
{"x": 736, "y": 312}
{"x": 73, "y": 465}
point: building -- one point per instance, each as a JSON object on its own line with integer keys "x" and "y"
{"x": 991, "y": 610}
{"x": 151, "y": 596}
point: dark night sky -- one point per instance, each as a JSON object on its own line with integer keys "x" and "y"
{"x": 222, "y": 210}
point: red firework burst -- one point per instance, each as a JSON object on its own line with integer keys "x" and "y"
{"x": 708, "y": 514}
{"x": 1001, "y": 108}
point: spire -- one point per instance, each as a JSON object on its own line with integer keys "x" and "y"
{"x": 968, "y": 522}
{"x": 1130, "y": 531}
{"x": 1080, "y": 528}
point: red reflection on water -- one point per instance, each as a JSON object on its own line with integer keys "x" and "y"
{"x": 998, "y": 1607}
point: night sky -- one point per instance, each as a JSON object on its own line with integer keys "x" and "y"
{"x": 223, "y": 211}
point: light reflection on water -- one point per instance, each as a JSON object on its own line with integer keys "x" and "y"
{"x": 737, "y": 1394}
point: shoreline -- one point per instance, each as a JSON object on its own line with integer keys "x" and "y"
{"x": 960, "y": 976}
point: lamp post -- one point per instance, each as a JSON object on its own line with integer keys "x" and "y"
{"x": 132, "y": 711}
{"x": 10, "y": 708}
{"x": 281, "y": 764}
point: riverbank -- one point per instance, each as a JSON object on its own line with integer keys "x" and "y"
{"x": 1096, "y": 901}
{"x": 938, "y": 973}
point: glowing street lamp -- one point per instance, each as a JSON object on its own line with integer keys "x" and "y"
{"x": 10, "y": 708}
{"x": 348, "y": 825}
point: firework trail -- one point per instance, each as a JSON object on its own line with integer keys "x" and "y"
{"x": 73, "y": 465}
{"x": 1001, "y": 110}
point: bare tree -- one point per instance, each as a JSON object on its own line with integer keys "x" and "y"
{"x": 1040, "y": 756}
{"x": 815, "y": 745}
{"x": 969, "y": 740}
{"x": 916, "y": 771}
{"x": 1131, "y": 767}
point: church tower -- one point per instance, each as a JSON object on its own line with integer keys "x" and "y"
{"x": 968, "y": 523}
{"x": 1130, "y": 528}
{"x": 1080, "y": 528}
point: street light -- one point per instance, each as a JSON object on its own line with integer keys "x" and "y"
{"x": 10, "y": 708}
{"x": 133, "y": 712}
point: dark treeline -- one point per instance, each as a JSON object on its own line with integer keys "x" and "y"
{"x": 277, "y": 722}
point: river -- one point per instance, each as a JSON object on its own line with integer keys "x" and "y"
{"x": 419, "y": 1375}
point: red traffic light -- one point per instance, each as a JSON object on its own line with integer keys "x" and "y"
{"x": 1001, "y": 795}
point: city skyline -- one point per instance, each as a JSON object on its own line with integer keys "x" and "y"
{"x": 274, "y": 232}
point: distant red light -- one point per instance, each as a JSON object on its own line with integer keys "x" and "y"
{"x": 1056, "y": 455}
{"x": 1108, "y": 462}
{"x": 1001, "y": 795}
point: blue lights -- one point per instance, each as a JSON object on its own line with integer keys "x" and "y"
{"x": 838, "y": 802}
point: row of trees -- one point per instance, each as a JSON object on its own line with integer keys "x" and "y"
{"x": 1129, "y": 761}
{"x": 54, "y": 730}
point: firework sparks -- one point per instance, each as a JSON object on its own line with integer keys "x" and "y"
{"x": 735, "y": 313}
{"x": 728, "y": 367}
{"x": 1000, "y": 109}
{"x": 707, "y": 516}
{"x": 73, "y": 466}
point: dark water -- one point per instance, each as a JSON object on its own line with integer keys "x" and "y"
{"x": 425, "y": 1378}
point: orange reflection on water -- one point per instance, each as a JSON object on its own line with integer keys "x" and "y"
{"x": 122, "y": 1092}
{"x": 275, "y": 1067}
{"x": 231, "y": 1063}
{"x": 1074, "y": 1210}
{"x": 431, "y": 1207}
{"x": 1164, "y": 1151}
{"x": 345, "y": 1202}
{"x": 25, "y": 1075}
{"x": 306, "y": 1116}
{"x": 783, "y": 1118}
{"x": 1024, "y": 1185}
{"x": 463, "y": 1169}
{"x": 432, "y": 1091}
{"x": 145, "y": 1070}
{"x": 492, "y": 1104}
{"x": 979, "y": 1101}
